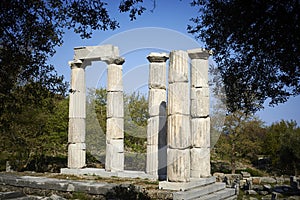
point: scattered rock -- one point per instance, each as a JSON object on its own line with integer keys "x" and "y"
{"x": 269, "y": 180}
{"x": 263, "y": 192}
{"x": 251, "y": 192}
{"x": 246, "y": 174}
{"x": 256, "y": 180}
{"x": 267, "y": 187}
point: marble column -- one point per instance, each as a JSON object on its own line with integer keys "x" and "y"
{"x": 178, "y": 131}
{"x": 200, "y": 120}
{"x": 156, "y": 127}
{"x": 77, "y": 114}
{"x": 114, "y": 160}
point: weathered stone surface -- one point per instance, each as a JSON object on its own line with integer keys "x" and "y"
{"x": 199, "y": 73}
{"x": 178, "y": 98}
{"x": 178, "y": 165}
{"x": 114, "y": 159}
{"x": 77, "y": 95}
{"x": 114, "y": 78}
{"x": 199, "y": 102}
{"x": 96, "y": 52}
{"x": 196, "y": 183}
{"x": 157, "y": 70}
{"x": 179, "y": 135}
{"x": 199, "y": 53}
{"x": 179, "y": 67}
{"x": 199, "y": 67}
{"x": 76, "y": 155}
{"x": 76, "y": 131}
{"x": 157, "y": 76}
{"x": 200, "y": 132}
{"x": 156, "y": 160}
{"x": 114, "y": 128}
{"x": 157, "y": 130}
{"x": 200, "y": 162}
{"x": 115, "y": 104}
{"x": 157, "y": 57}
{"x": 157, "y": 102}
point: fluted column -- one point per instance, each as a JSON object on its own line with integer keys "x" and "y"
{"x": 179, "y": 140}
{"x": 200, "y": 120}
{"x": 77, "y": 114}
{"x": 156, "y": 127}
{"x": 114, "y": 160}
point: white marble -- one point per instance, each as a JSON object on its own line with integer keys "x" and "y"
{"x": 178, "y": 68}
{"x": 178, "y": 169}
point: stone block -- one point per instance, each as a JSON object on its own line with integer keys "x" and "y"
{"x": 157, "y": 75}
{"x": 200, "y": 162}
{"x": 152, "y": 159}
{"x": 178, "y": 169}
{"x": 179, "y": 67}
{"x": 114, "y": 158}
{"x": 199, "y": 53}
{"x": 114, "y": 128}
{"x": 157, "y": 130}
{"x": 157, "y": 102}
{"x": 77, "y": 106}
{"x": 199, "y": 73}
{"x": 114, "y": 78}
{"x": 178, "y": 131}
{"x": 156, "y": 160}
{"x": 199, "y": 102}
{"x": 76, "y": 155}
{"x": 76, "y": 131}
{"x": 115, "y": 105}
{"x": 178, "y": 98}
{"x": 95, "y": 52}
{"x": 200, "y": 132}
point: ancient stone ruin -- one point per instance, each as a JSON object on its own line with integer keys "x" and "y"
{"x": 178, "y": 131}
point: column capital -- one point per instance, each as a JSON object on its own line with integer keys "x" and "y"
{"x": 158, "y": 57}
{"x": 113, "y": 60}
{"x": 79, "y": 63}
{"x": 199, "y": 53}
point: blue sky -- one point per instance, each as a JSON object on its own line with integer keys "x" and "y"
{"x": 162, "y": 30}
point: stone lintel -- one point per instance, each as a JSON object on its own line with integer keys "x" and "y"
{"x": 158, "y": 57}
{"x": 95, "y": 53}
{"x": 199, "y": 53}
{"x": 181, "y": 186}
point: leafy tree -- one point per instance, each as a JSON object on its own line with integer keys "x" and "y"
{"x": 256, "y": 47}
{"x": 135, "y": 125}
{"x": 38, "y": 128}
{"x": 241, "y": 139}
{"x": 30, "y": 31}
{"x": 135, "y": 121}
{"x": 96, "y": 123}
{"x": 282, "y": 145}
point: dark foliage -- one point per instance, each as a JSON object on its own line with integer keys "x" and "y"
{"x": 256, "y": 47}
{"x": 127, "y": 192}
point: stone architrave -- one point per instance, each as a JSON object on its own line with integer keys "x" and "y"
{"x": 200, "y": 121}
{"x": 114, "y": 160}
{"x": 156, "y": 127}
{"x": 77, "y": 112}
{"x": 178, "y": 131}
